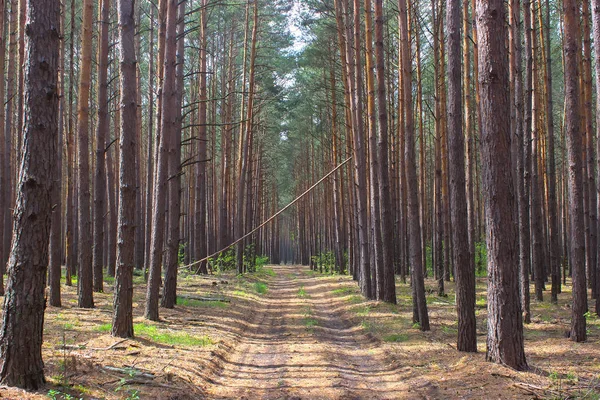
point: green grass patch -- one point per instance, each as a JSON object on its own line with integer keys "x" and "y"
{"x": 355, "y": 299}
{"x": 368, "y": 325}
{"x": 343, "y": 291}
{"x": 168, "y": 337}
{"x": 396, "y": 337}
{"x": 67, "y": 326}
{"x": 449, "y": 330}
{"x": 363, "y": 311}
{"x": 73, "y": 280}
{"x": 267, "y": 271}
{"x": 302, "y": 293}
{"x": 241, "y": 293}
{"x": 310, "y": 322}
{"x": 103, "y": 328}
{"x": 260, "y": 287}
{"x": 182, "y": 301}
{"x": 481, "y": 302}
{"x": 109, "y": 279}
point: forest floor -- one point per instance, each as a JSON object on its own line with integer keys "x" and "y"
{"x": 290, "y": 333}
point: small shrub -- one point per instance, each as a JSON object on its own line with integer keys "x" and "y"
{"x": 260, "y": 287}
{"x": 302, "y": 292}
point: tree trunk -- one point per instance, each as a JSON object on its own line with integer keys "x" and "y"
{"x": 56, "y": 238}
{"x": 572, "y": 39}
{"x": 168, "y": 122}
{"x": 411, "y": 174}
{"x": 24, "y": 302}
{"x": 8, "y": 131}
{"x": 464, "y": 274}
{"x": 552, "y": 212}
{"x": 3, "y": 150}
{"x": 123, "y": 298}
{"x": 596, "y": 24}
{"x": 387, "y": 228}
{"x": 537, "y": 251}
{"x": 505, "y": 324}
{"x": 374, "y": 199}
{"x": 591, "y": 249}
{"x": 101, "y": 133}
{"x": 524, "y": 214}
{"x": 85, "y": 276}
{"x": 201, "y": 206}
{"x": 169, "y": 297}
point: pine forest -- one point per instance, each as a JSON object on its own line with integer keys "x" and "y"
{"x": 300, "y": 199}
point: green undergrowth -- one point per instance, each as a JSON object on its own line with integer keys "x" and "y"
{"x": 309, "y": 320}
{"x": 261, "y": 287}
{"x": 302, "y": 292}
{"x": 182, "y": 301}
{"x": 344, "y": 291}
{"x": 396, "y": 337}
{"x": 163, "y": 336}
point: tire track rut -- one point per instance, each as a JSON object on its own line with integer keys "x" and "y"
{"x": 299, "y": 346}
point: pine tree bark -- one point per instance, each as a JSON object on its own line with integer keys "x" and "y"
{"x": 524, "y": 214}
{"x": 505, "y": 324}
{"x": 123, "y": 297}
{"x": 71, "y": 216}
{"x": 592, "y": 247}
{"x": 245, "y": 146}
{"x": 374, "y": 199}
{"x": 201, "y": 206}
{"x": 537, "y": 251}
{"x": 24, "y": 302}
{"x": 464, "y": 274}
{"x": 572, "y": 40}
{"x": 168, "y": 123}
{"x": 56, "y": 239}
{"x": 387, "y": 228}
{"x": 85, "y": 275}
{"x": 596, "y": 33}
{"x": 169, "y": 297}
{"x": 522, "y": 202}
{"x": 101, "y": 133}
{"x": 150, "y": 153}
{"x": 3, "y": 152}
{"x": 8, "y": 129}
{"x": 554, "y": 250}
{"x": 411, "y": 174}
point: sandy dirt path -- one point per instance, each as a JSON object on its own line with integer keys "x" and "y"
{"x": 299, "y": 346}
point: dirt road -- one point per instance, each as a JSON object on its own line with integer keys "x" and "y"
{"x": 298, "y": 346}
